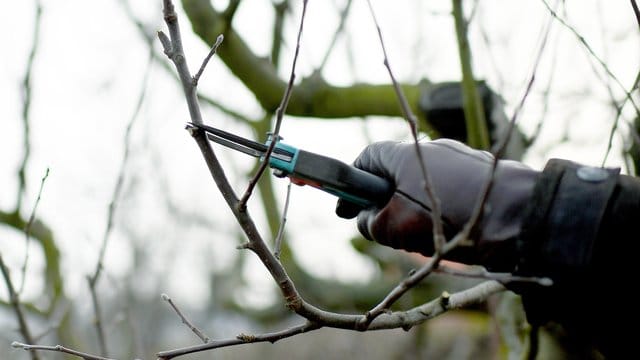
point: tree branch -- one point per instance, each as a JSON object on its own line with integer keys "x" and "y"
{"x": 589, "y": 49}
{"x": 313, "y": 96}
{"x": 277, "y": 247}
{"x": 205, "y": 339}
{"x": 14, "y": 299}
{"x": 215, "y": 46}
{"x": 436, "y": 211}
{"x": 58, "y": 348}
{"x": 92, "y": 280}
{"x": 293, "y": 300}
{"x": 476, "y": 124}
{"x": 482, "y": 273}
{"x": 636, "y": 12}
{"x": 241, "y": 339}
{"x": 275, "y": 136}
{"x": 26, "y": 105}
{"x": 388, "y": 320}
{"x": 27, "y": 231}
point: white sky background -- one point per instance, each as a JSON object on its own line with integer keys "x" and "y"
{"x": 88, "y": 75}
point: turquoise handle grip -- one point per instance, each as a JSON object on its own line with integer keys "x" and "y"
{"x": 333, "y": 176}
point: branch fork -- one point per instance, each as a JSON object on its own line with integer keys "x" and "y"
{"x": 380, "y": 317}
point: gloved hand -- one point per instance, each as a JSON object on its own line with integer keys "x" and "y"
{"x": 458, "y": 173}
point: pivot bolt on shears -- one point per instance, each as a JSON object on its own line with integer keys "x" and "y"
{"x": 306, "y": 168}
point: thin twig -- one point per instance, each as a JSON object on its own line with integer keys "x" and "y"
{"x": 26, "y": 104}
{"x": 604, "y": 65}
{"x": 213, "y": 50}
{"x": 97, "y": 316}
{"x": 387, "y": 320}
{"x": 134, "y": 326}
{"x": 282, "y": 108}
{"x": 614, "y": 128}
{"x": 157, "y": 58}
{"x": 166, "y": 66}
{"x": 503, "y": 278}
{"x": 464, "y": 234}
{"x": 204, "y": 98}
{"x": 205, "y": 339}
{"x": 399, "y": 290}
{"x": 498, "y": 153}
{"x": 27, "y": 232}
{"x": 404, "y": 104}
{"x": 58, "y": 348}
{"x": 614, "y": 125}
{"x": 115, "y": 197}
{"x": 439, "y": 306}
{"x": 278, "y": 242}
{"x": 546, "y": 93}
{"x": 14, "y": 300}
{"x": 614, "y": 102}
{"x": 436, "y": 213}
{"x": 172, "y": 46}
{"x": 634, "y": 5}
{"x": 173, "y": 49}
{"x": 501, "y": 147}
{"x": 241, "y": 339}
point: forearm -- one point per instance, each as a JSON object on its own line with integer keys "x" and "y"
{"x": 580, "y": 231}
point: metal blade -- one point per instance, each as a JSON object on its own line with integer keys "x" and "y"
{"x": 241, "y": 144}
{"x": 235, "y": 146}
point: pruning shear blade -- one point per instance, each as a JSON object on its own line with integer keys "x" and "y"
{"x": 241, "y": 144}
{"x": 357, "y": 186}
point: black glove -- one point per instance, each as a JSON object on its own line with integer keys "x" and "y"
{"x": 458, "y": 173}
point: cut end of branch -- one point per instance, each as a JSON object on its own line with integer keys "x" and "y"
{"x": 444, "y": 299}
{"x": 545, "y": 281}
{"x": 219, "y": 40}
{"x": 19, "y": 345}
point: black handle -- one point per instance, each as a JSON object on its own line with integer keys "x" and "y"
{"x": 345, "y": 181}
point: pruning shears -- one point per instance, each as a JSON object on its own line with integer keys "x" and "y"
{"x": 306, "y": 168}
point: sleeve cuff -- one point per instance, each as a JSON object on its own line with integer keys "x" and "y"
{"x": 560, "y": 229}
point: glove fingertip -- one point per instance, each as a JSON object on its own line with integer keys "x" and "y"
{"x": 347, "y": 210}
{"x": 364, "y": 218}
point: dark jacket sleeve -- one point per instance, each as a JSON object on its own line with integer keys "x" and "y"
{"x": 581, "y": 230}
